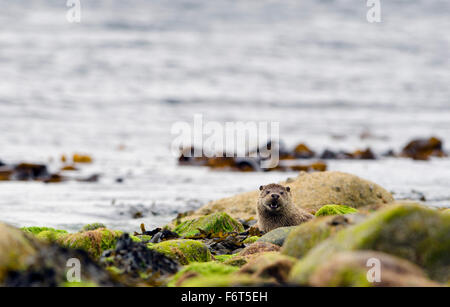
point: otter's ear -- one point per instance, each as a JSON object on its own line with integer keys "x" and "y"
{"x": 288, "y": 189}
{"x": 261, "y": 188}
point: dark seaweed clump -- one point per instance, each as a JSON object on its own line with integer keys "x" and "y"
{"x": 137, "y": 261}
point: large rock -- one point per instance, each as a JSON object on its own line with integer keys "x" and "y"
{"x": 16, "y": 248}
{"x": 277, "y": 236}
{"x": 93, "y": 241}
{"x": 357, "y": 269}
{"x": 304, "y": 237}
{"x": 26, "y": 261}
{"x": 309, "y": 191}
{"x": 413, "y": 232}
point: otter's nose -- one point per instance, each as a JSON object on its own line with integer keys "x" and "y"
{"x": 275, "y": 196}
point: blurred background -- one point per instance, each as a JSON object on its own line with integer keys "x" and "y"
{"x": 112, "y": 86}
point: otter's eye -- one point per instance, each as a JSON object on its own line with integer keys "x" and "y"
{"x": 281, "y": 193}
{"x": 267, "y": 192}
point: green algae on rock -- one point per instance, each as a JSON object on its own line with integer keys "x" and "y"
{"x": 305, "y": 236}
{"x": 183, "y": 250}
{"x": 211, "y": 224}
{"x": 410, "y": 231}
{"x": 37, "y": 230}
{"x": 277, "y": 236}
{"x": 350, "y": 269}
{"x": 335, "y": 210}
{"x": 223, "y": 258}
{"x": 251, "y": 240}
{"x": 93, "y": 241}
{"x": 200, "y": 269}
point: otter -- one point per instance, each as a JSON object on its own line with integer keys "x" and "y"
{"x": 276, "y": 209}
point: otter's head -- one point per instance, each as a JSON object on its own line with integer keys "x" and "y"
{"x": 274, "y": 197}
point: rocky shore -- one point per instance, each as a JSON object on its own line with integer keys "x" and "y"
{"x": 218, "y": 245}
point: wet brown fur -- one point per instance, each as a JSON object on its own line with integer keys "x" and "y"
{"x": 283, "y": 211}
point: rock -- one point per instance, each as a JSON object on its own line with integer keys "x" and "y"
{"x": 78, "y": 158}
{"x": 423, "y": 149}
{"x": 302, "y": 151}
{"x": 200, "y": 269}
{"x": 335, "y": 210}
{"x": 213, "y": 224}
{"x": 16, "y": 247}
{"x": 183, "y": 250}
{"x": 271, "y": 266}
{"x": 93, "y": 226}
{"x": 26, "y": 261}
{"x": 259, "y": 247}
{"x": 413, "y": 232}
{"x": 304, "y": 237}
{"x": 92, "y": 241}
{"x": 310, "y": 192}
{"x": 351, "y": 269}
{"x": 277, "y": 236}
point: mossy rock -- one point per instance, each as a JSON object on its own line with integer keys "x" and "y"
{"x": 231, "y": 280}
{"x": 223, "y": 258}
{"x": 271, "y": 266}
{"x": 93, "y": 241}
{"x": 50, "y": 236}
{"x": 413, "y": 232}
{"x": 310, "y": 191}
{"x": 277, "y": 236}
{"x": 37, "y": 230}
{"x": 350, "y": 269}
{"x": 200, "y": 269}
{"x": 93, "y": 226}
{"x": 183, "y": 250}
{"x": 307, "y": 235}
{"x": 212, "y": 224}
{"x": 251, "y": 240}
{"x": 335, "y": 210}
{"x": 16, "y": 248}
